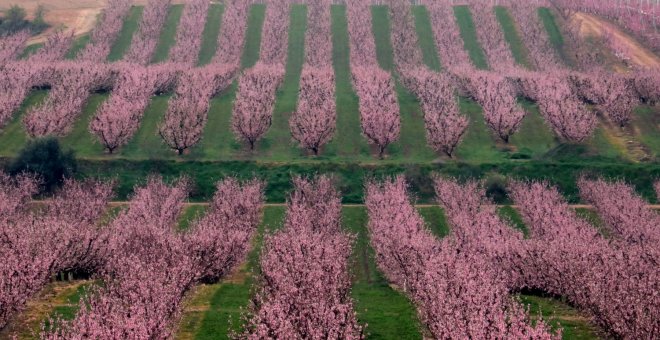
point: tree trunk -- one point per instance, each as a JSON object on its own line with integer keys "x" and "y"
{"x": 180, "y": 151}
{"x": 381, "y": 152}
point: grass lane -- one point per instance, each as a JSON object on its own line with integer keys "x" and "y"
{"x": 80, "y": 139}
{"x": 214, "y": 311}
{"x": 13, "y": 136}
{"x": 469, "y": 34}
{"x": 278, "y": 145}
{"x": 348, "y": 142}
{"x": 123, "y": 42}
{"x": 168, "y": 34}
{"x": 646, "y": 120}
{"x": 387, "y": 313}
{"x": 411, "y": 146}
{"x": 77, "y": 46}
{"x": 210, "y": 34}
{"x": 512, "y": 36}
{"x": 534, "y": 138}
{"x": 554, "y": 33}
{"x": 424, "y": 31}
{"x": 219, "y": 141}
{"x": 147, "y": 143}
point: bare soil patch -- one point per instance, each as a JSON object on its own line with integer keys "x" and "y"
{"x": 78, "y": 16}
{"x": 591, "y": 25}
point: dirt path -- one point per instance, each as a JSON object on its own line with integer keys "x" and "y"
{"x": 593, "y": 26}
{"x": 78, "y": 16}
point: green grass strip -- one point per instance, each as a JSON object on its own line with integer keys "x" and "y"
{"x": 388, "y": 313}
{"x": 513, "y": 218}
{"x": 551, "y": 27}
{"x": 123, "y": 42}
{"x": 227, "y": 300}
{"x": 253, "y": 36}
{"x": 348, "y": 141}
{"x": 30, "y": 50}
{"x": 424, "y": 30}
{"x": 168, "y": 34}
{"x": 646, "y": 120}
{"x": 13, "y": 136}
{"x": 277, "y": 144}
{"x": 435, "y": 220}
{"x": 80, "y": 139}
{"x": 411, "y": 145}
{"x": 469, "y": 35}
{"x": 560, "y": 315}
{"x": 210, "y": 35}
{"x": 534, "y": 138}
{"x": 77, "y": 46}
{"x": 147, "y": 143}
{"x": 478, "y": 143}
{"x": 219, "y": 141}
{"x": 512, "y": 36}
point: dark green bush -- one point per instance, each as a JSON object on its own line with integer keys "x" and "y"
{"x": 46, "y": 159}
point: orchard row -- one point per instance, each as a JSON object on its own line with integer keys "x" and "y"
{"x": 569, "y": 99}
{"x": 461, "y": 284}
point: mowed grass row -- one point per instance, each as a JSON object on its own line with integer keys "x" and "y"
{"x": 534, "y": 140}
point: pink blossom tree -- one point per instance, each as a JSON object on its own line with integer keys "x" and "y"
{"x": 448, "y": 40}
{"x": 445, "y": 126}
{"x": 647, "y": 86}
{"x": 12, "y": 46}
{"x": 72, "y": 87}
{"x": 127, "y": 304}
{"x": 146, "y": 38}
{"x": 231, "y": 39}
{"x": 496, "y": 95}
{"x": 252, "y": 115}
{"x": 379, "y": 107}
{"x": 375, "y": 88}
{"x": 187, "y": 113}
{"x": 120, "y": 116}
{"x": 305, "y": 284}
{"x": 491, "y": 37}
{"x": 220, "y": 241}
{"x": 608, "y": 279}
{"x": 189, "y": 33}
{"x": 257, "y": 86}
{"x": 106, "y": 31}
{"x": 458, "y": 293}
{"x": 16, "y": 81}
{"x": 36, "y": 245}
{"x": 613, "y": 94}
{"x": 625, "y": 213}
{"x": 559, "y": 105}
{"x": 542, "y": 54}
{"x": 313, "y": 123}
{"x": 55, "y": 47}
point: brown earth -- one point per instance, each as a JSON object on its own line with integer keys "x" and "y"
{"x": 594, "y": 26}
{"x": 72, "y": 15}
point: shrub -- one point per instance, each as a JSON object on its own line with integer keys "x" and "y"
{"x": 46, "y": 159}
